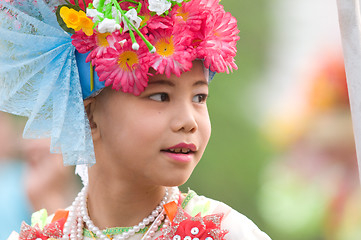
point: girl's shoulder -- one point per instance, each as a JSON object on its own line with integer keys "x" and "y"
{"x": 234, "y": 223}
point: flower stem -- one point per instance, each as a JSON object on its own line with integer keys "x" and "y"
{"x": 91, "y": 77}
{"x": 101, "y": 5}
{"x": 130, "y": 25}
{"x": 131, "y": 34}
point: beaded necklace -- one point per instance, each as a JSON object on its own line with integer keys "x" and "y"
{"x": 78, "y": 217}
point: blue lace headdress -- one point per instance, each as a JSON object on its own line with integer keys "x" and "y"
{"x": 48, "y": 49}
{"x": 39, "y": 78}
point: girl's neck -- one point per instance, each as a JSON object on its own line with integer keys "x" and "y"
{"x": 117, "y": 203}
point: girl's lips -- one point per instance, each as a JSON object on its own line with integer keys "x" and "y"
{"x": 182, "y": 152}
{"x": 180, "y": 157}
{"x": 189, "y": 146}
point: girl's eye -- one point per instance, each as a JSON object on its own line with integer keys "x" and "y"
{"x": 200, "y": 98}
{"x": 160, "y": 97}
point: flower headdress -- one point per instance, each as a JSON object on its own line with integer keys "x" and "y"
{"x": 55, "y": 53}
{"x": 124, "y": 39}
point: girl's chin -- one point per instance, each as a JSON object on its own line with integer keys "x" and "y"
{"x": 175, "y": 180}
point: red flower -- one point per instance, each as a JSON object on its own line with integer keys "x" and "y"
{"x": 185, "y": 227}
{"x": 192, "y": 227}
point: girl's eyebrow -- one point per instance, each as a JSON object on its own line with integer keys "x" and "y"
{"x": 170, "y": 83}
{"x": 162, "y": 82}
{"x": 200, "y": 82}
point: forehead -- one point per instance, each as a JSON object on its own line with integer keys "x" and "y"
{"x": 196, "y": 74}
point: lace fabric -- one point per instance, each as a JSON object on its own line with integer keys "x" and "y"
{"x": 39, "y": 78}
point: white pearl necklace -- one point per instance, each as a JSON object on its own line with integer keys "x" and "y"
{"x": 78, "y": 215}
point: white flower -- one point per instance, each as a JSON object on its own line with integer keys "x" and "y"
{"x": 159, "y": 6}
{"x": 108, "y": 25}
{"x": 133, "y": 18}
{"x": 93, "y": 13}
{"x": 115, "y": 12}
{"x": 96, "y": 3}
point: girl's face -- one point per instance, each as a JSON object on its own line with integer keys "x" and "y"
{"x": 155, "y": 138}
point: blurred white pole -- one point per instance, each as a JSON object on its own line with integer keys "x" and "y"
{"x": 350, "y": 26}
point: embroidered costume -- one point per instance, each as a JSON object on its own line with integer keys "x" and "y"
{"x": 195, "y": 217}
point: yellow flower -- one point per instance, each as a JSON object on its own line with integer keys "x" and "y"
{"x": 77, "y": 20}
{"x": 86, "y": 25}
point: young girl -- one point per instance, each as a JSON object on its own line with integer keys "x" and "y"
{"x": 145, "y": 121}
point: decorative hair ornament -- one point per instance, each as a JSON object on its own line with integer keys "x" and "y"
{"x": 43, "y": 44}
{"x": 39, "y": 78}
{"x": 127, "y": 38}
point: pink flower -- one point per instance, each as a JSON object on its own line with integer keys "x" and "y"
{"x": 82, "y": 42}
{"x": 190, "y": 15}
{"x": 104, "y": 42}
{"x": 157, "y": 22}
{"x": 172, "y": 54}
{"x": 98, "y": 43}
{"x": 216, "y": 42}
{"x": 81, "y": 3}
{"x": 124, "y": 68}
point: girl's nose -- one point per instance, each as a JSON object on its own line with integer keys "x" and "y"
{"x": 184, "y": 119}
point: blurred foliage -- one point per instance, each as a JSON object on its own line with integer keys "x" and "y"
{"x": 236, "y": 154}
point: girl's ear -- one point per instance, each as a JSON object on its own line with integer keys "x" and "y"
{"x": 89, "y": 105}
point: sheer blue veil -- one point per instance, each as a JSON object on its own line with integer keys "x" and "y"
{"x": 39, "y": 78}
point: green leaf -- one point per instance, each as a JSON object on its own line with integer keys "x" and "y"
{"x": 139, "y": 8}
